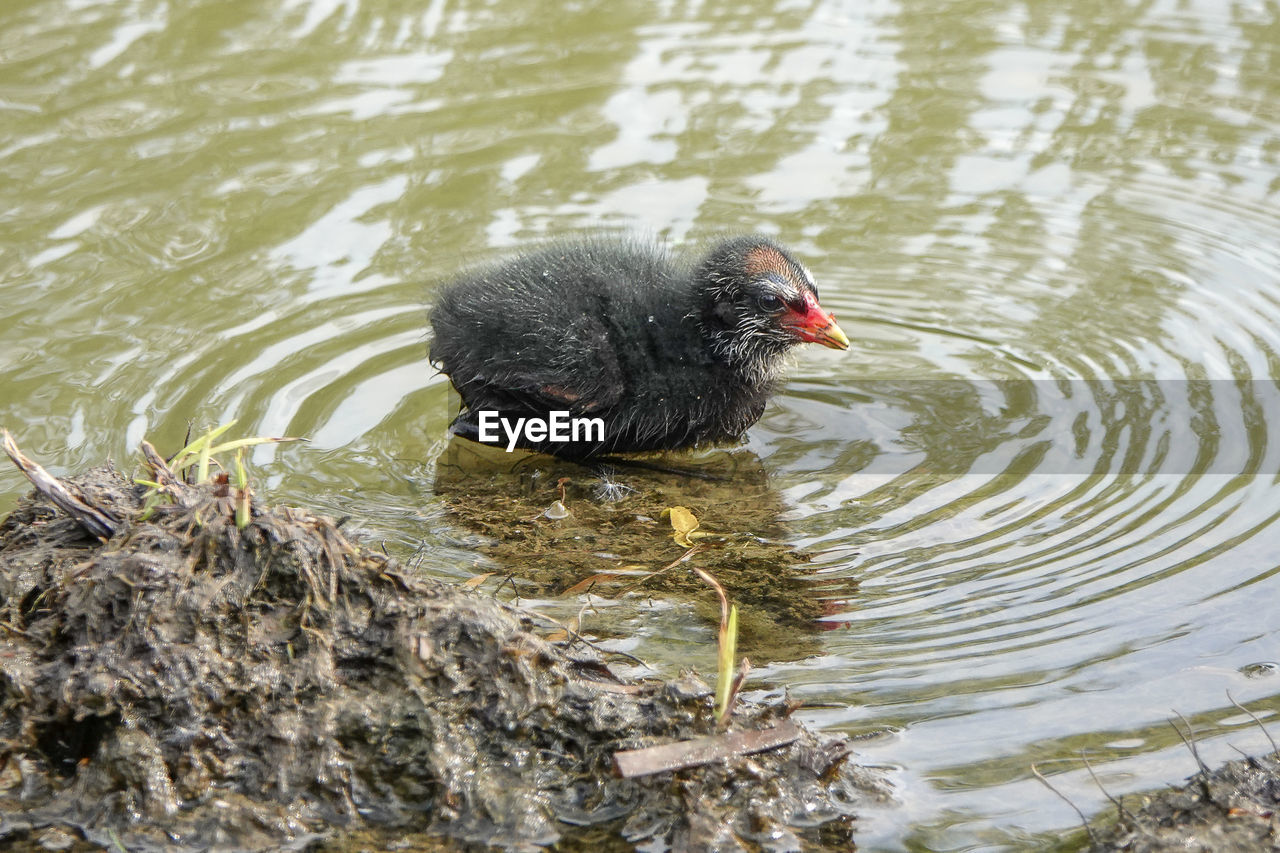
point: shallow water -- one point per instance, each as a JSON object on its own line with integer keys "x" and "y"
{"x": 1052, "y": 231}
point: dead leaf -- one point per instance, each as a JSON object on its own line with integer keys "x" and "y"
{"x": 683, "y": 522}
{"x": 584, "y": 585}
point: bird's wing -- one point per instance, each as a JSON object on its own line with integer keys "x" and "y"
{"x": 577, "y": 371}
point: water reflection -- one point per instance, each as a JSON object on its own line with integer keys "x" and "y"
{"x": 597, "y": 533}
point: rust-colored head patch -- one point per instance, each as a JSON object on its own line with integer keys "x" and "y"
{"x": 766, "y": 259}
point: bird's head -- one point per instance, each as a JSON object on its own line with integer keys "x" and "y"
{"x": 756, "y": 302}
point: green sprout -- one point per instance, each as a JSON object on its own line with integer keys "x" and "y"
{"x": 727, "y": 683}
{"x": 202, "y": 453}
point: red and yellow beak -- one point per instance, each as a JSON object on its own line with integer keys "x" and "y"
{"x": 815, "y": 326}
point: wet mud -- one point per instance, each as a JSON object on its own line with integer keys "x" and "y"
{"x": 1234, "y": 808}
{"x": 188, "y": 683}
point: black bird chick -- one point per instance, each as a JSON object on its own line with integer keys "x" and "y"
{"x": 665, "y": 354}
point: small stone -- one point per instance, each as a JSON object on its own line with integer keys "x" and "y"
{"x": 557, "y": 511}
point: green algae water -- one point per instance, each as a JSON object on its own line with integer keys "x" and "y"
{"x": 1036, "y": 499}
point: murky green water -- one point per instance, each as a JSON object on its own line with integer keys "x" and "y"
{"x": 230, "y": 209}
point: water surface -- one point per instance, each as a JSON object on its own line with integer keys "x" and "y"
{"x": 1051, "y": 229}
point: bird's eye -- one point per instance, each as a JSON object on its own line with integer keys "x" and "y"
{"x": 769, "y": 302}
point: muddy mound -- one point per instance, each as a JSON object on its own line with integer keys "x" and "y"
{"x": 186, "y": 682}
{"x": 1233, "y": 809}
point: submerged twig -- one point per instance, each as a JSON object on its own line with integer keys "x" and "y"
{"x": 662, "y": 571}
{"x": 1188, "y": 739}
{"x": 579, "y": 638}
{"x": 1035, "y": 771}
{"x": 1120, "y": 807}
{"x": 1274, "y": 749}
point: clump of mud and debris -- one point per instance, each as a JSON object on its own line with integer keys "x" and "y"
{"x": 1233, "y": 809}
{"x": 187, "y": 682}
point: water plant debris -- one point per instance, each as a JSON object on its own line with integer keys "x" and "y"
{"x": 704, "y": 750}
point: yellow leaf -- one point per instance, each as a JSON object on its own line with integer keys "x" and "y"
{"x": 683, "y": 522}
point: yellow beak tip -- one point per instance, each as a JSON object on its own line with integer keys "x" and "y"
{"x": 835, "y": 337}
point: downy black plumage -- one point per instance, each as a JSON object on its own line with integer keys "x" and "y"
{"x": 667, "y": 354}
